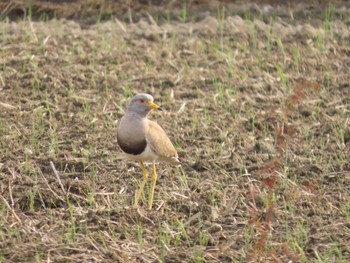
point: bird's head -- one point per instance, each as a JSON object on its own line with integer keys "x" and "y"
{"x": 142, "y": 103}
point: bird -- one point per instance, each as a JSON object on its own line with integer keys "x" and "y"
{"x": 144, "y": 140}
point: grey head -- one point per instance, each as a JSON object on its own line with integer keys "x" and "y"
{"x": 142, "y": 104}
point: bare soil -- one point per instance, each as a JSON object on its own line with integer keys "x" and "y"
{"x": 257, "y": 102}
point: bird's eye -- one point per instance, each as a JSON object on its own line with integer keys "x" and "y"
{"x": 142, "y": 101}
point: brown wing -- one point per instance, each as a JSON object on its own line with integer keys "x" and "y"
{"x": 161, "y": 144}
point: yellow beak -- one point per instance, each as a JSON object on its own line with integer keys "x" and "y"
{"x": 152, "y": 105}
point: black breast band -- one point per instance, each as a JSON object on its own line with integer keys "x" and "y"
{"x": 135, "y": 148}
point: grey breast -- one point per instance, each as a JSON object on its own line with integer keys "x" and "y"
{"x": 130, "y": 135}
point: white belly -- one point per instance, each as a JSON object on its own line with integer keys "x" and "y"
{"x": 146, "y": 156}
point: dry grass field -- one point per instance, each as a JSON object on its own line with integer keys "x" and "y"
{"x": 256, "y": 100}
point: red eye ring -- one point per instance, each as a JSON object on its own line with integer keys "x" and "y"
{"x": 142, "y": 101}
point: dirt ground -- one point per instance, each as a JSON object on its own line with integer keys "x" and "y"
{"x": 257, "y": 102}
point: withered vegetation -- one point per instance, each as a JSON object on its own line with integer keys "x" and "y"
{"x": 256, "y": 100}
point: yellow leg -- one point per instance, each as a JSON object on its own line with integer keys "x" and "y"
{"x": 153, "y": 185}
{"x": 145, "y": 178}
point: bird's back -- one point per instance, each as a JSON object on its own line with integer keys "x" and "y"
{"x": 161, "y": 144}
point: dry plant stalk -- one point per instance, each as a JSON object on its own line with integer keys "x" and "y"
{"x": 285, "y": 133}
